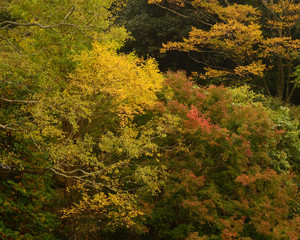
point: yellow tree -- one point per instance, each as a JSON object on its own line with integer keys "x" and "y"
{"x": 91, "y": 137}
{"x": 54, "y": 114}
{"x": 241, "y": 42}
{"x": 128, "y": 81}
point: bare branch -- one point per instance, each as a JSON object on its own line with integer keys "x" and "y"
{"x": 17, "y": 101}
{"x": 15, "y": 84}
{"x": 266, "y": 88}
{"x": 10, "y": 43}
{"x": 226, "y": 2}
{"x": 9, "y": 169}
{"x": 84, "y": 172}
{"x": 170, "y": 10}
{"x": 207, "y": 64}
{"x": 9, "y": 128}
{"x": 89, "y": 183}
{"x": 5, "y": 24}
{"x": 265, "y": 3}
{"x": 69, "y": 13}
{"x": 291, "y": 93}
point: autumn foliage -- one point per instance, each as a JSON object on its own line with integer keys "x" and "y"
{"x": 99, "y": 144}
{"x": 253, "y": 39}
{"x": 222, "y": 183}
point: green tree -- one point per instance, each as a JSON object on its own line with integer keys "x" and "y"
{"x": 38, "y": 40}
{"x": 149, "y": 27}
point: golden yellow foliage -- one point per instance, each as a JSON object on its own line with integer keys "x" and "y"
{"x": 255, "y": 68}
{"x": 119, "y": 209}
{"x": 244, "y": 37}
{"x": 129, "y": 82}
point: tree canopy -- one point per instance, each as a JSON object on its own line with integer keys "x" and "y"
{"x": 97, "y": 143}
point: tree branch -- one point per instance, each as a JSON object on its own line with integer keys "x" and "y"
{"x": 10, "y": 43}
{"x": 207, "y": 64}
{"x": 288, "y": 98}
{"x": 226, "y": 2}
{"x": 5, "y": 24}
{"x": 170, "y": 10}
{"x": 9, "y": 128}
{"x": 89, "y": 183}
{"x": 17, "y": 101}
{"x": 264, "y": 2}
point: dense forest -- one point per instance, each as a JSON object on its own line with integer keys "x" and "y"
{"x": 149, "y": 119}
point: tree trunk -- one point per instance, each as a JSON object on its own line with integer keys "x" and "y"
{"x": 280, "y": 80}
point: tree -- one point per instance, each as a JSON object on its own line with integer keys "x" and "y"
{"x": 128, "y": 150}
{"x": 149, "y": 26}
{"x": 38, "y": 40}
{"x": 92, "y": 144}
{"x": 228, "y": 175}
{"x": 243, "y": 42}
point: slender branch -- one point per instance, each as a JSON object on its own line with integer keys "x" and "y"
{"x": 5, "y": 24}
{"x": 83, "y": 172}
{"x": 205, "y": 23}
{"x": 170, "y": 10}
{"x": 10, "y": 43}
{"x": 205, "y": 15}
{"x": 9, "y": 128}
{"x": 14, "y": 170}
{"x": 208, "y": 65}
{"x": 17, "y": 101}
{"x": 264, "y": 2}
{"x": 266, "y": 87}
{"x": 212, "y": 18}
{"x": 89, "y": 183}
{"x": 35, "y": 143}
{"x": 288, "y": 80}
{"x": 15, "y": 84}
{"x": 292, "y": 92}
{"x": 69, "y": 13}
{"x": 226, "y": 2}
